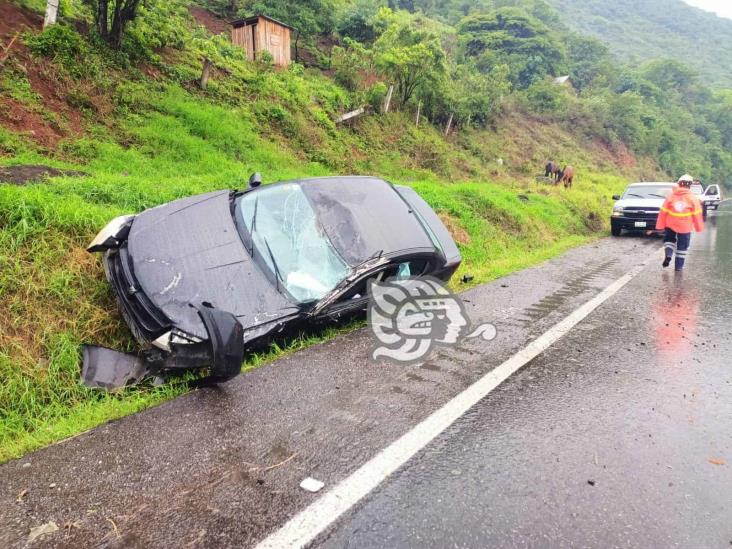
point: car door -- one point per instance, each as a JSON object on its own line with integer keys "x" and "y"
{"x": 355, "y": 298}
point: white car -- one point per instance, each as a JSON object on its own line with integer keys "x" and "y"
{"x": 712, "y": 197}
{"x": 637, "y": 209}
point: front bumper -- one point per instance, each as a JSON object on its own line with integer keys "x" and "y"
{"x": 222, "y": 353}
{"x": 145, "y": 320}
{"x": 641, "y": 222}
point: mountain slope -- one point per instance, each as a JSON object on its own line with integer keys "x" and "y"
{"x": 639, "y": 31}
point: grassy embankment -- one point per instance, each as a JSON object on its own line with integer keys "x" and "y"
{"x": 147, "y": 140}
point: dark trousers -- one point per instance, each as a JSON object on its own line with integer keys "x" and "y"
{"x": 679, "y": 243}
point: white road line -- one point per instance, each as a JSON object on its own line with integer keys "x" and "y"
{"x": 319, "y": 515}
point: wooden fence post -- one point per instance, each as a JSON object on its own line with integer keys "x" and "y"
{"x": 419, "y": 111}
{"x": 387, "y": 101}
{"x": 51, "y": 13}
{"x": 448, "y": 126}
{"x": 205, "y": 73}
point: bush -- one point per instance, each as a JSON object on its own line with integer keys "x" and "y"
{"x": 546, "y": 97}
{"x": 60, "y": 43}
{"x": 375, "y": 95}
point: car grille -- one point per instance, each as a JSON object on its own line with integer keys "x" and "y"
{"x": 641, "y": 214}
{"x": 146, "y": 321}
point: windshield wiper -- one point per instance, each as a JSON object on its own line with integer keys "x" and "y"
{"x": 637, "y": 195}
{"x": 278, "y": 276}
{"x": 658, "y": 195}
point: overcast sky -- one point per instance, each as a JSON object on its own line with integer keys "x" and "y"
{"x": 722, "y": 8}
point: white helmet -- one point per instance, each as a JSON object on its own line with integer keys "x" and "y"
{"x": 686, "y": 180}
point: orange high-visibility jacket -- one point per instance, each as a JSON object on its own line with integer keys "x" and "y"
{"x": 681, "y": 212}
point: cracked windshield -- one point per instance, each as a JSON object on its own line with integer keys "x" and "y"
{"x": 290, "y": 241}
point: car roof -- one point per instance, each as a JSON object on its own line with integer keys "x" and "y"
{"x": 364, "y": 216}
{"x": 653, "y": 184}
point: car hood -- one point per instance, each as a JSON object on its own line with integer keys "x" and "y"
{"x": 640, "y": 203}
{"x": 189, "y": 252}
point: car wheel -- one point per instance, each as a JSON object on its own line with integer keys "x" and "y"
{"x": 615, "y": 229}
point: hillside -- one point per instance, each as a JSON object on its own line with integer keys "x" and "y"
{"x": 640, "y": 31}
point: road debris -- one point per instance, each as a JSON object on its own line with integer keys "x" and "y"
{"x": 717, "y": 461}
{"x": 311, "y": 485}
{"x": 43, "y": 529}
{"x": 114, "y": 526}
{"x": 21, "y": 495}
{"x": 279, "y": 464}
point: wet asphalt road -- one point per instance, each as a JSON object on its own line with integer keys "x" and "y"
{"x": 612, "y": 403}
{"x": 618, "y": 436}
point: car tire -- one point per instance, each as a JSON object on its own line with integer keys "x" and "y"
{"x": 615, "y": 229}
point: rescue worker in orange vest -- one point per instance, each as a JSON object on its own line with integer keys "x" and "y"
{"x": 680, "y": 214}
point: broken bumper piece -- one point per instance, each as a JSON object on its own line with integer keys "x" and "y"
{"x": 108, "y": 369}
{"x": 223, "y": 353}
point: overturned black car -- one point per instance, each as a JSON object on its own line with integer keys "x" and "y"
{"x": 201, "y": 279}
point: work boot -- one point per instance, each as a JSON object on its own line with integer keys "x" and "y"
{"x": 666, "y": 261}
{"x": 680, "y": 263}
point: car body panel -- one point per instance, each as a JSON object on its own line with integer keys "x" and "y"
{"x": 446, "y": 243}
{"x": 364, "y": 216}
{"x": 189, "y": 252}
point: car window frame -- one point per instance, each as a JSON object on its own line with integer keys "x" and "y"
{"x": 340, "y": 303}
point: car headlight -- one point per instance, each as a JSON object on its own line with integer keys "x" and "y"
{"x": 177, "y": 337}
{"x": 110, "y": 236}
{"x": 617, "y": 211}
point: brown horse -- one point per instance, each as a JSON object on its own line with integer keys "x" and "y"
{"x": 567, "y": 176}
{"x": 552, "y": 170}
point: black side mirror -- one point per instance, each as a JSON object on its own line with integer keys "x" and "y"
{"x": 255, "y": 180}
{"x": 616, "y": 197}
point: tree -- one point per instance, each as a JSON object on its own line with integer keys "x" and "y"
{"x": 111, "y": 26}
{"x": 358, "y": 21}
{"x": 588, "y": 61}
{"x": 671, "y": 76}
{"x": 513, "y": 37}
{"x": 410, "y": 56}
{"x": 471, "y": 96}
{"x": 309, "y": 17}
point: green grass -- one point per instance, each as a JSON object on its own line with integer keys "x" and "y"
{"x": 163, "y": 142}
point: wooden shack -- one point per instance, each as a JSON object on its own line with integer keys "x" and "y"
{"x": 261, "y": 33}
